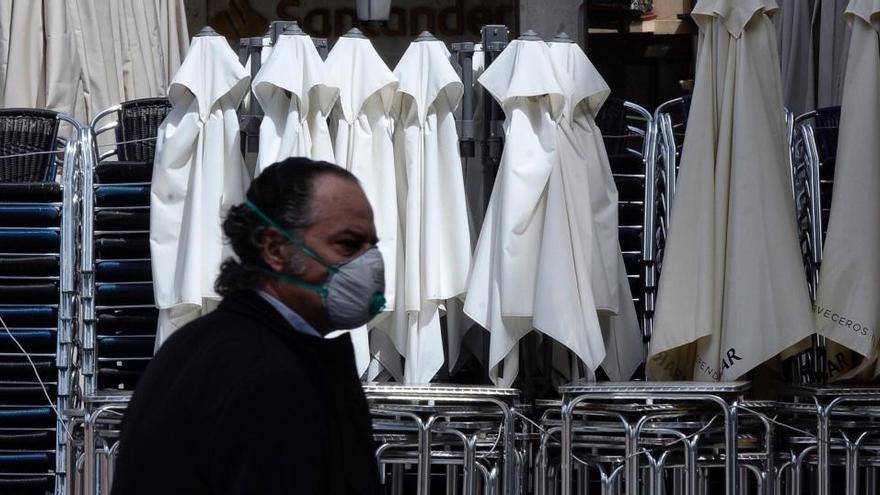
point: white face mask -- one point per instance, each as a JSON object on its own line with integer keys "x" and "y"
{"x": 355, "y": 289}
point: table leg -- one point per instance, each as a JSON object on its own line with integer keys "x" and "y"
{"x": 823, "y": 451}
{"x": 565, "y": 462}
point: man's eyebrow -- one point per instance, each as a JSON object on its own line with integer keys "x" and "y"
{"x": 356, "y": 233}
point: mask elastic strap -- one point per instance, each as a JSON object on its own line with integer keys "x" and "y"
{"x": 268, "y": 221}
{"x": 290, "y": 280}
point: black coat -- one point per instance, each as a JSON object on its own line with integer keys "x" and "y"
{"x": 237, "y": 402}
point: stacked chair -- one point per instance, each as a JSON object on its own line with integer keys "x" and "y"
{"x": 119, "y": 315}
{"x": 628, "y": 131}
{"x": 670, "y": 119}
{"x": 837, "y": 446}
{"x": 37, "y": 296}
{"x": 122, "y": 317}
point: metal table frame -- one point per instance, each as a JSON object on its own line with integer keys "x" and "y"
{"x": 96, "y": 407}
{"x": 826, "y": 400}
{"x": 502, "y": 398}
{"x": 712, "y": 393}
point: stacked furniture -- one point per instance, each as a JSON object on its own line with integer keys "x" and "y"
{"x": 628, "y": 131}
{"x": 37, "y": 296}
{"x": 670, "y": 121}
{"x": 119, "y": 325}
{"x": 466, "y": 433}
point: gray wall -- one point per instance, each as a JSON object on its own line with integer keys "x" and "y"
{"x": 550, "y": 17}
{"x": 449, "y": 20}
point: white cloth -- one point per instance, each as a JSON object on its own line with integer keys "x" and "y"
{"x": 847, "y": 309}
{"x": 593, "y": 212}
{"x": 39, "y": 67}
{"x": 198, "y": 174}
{"x": 526, "y": 271}
{"x": 291, "y": 88}
{"x": 128, "y": 49}
{"x": 432, "y": 205}
{"x": 732, "y": 294}
{"x": 84, "y": 56}
{"x": 794, "y": 32}
{"x": 361, "y": 129}
{"x": 833, "y": 33}
{"x": 585, "y": 161}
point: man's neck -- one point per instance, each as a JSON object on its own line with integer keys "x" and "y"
{"x": 311, "y": 315}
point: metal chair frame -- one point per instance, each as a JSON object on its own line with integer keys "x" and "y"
{"x": 67, "y": 391}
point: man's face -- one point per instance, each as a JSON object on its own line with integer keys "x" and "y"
{"x": 343, "y": 229}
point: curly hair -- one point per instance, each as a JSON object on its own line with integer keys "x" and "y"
{"x": 283, "y": 191}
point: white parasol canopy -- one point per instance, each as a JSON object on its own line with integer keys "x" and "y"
{"x": 794, "y": 32}
{"x": 732, "y": 293}
{"x": 833, "y": 33}
{"x": 39, "y": 67}
{"x": 292, "y": 90}
{"x": 432, "y": 204}
{"x": 198, "y": 174}
{"x": 128, "y": 49}
{"x": 593, "y": 212}
{"x": 361, "y": 128}
{"x": 526, "y": 272}
{"x": 847, "y": 309}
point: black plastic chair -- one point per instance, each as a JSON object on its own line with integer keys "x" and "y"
{"x": 826, "y": 128}
{"x": 127, "y": 294}
{"x": 28, "y": 140}
{"x": 30, "y": 192}
{"x": 29, "y": 241}
{"x": 124, "y": 196}
{"x": 123, "y": 271}
{"x": 120, "y": 347}
{"x": 34, "y": 341}
{"x": 24, "y": 395}
{"x": 29, "y": 316}
{"x": 127, "y": 321}
{"x": 30, "y": 216}
{"x": 139, "y": 121}
{"x": 29, "y": 266}
{"x": 27, "y": 417}
{"x": 27, "y": 485}
{"x": 120, "y": 377}
{"x": 28, "y": 292}
{"x": 127, "y": 246}
{"x": 27, "y": 440}
{"x": 18, "y": 370}
{"x": 123, "y": 220}
{"x": 123, "y": 172}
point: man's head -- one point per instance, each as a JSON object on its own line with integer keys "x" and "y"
{"x": 322, "y": 207}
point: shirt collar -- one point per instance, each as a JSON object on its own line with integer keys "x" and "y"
{"x": 296, "y": 321}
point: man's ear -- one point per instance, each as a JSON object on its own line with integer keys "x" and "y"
{"x": 275, "y": 249}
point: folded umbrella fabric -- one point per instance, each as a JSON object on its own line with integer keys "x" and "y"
{"x": 847, "y": 309}
{"x": 732, "y": 293}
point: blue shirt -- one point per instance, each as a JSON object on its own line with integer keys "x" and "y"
{"x": 290, "y": 315}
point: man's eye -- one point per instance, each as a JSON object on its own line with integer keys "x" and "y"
{"x": 349, "y": 245}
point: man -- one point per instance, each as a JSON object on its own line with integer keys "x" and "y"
{"x": 252, "y": 399}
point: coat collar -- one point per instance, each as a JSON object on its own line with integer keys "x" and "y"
{"x": 249, "y": 304}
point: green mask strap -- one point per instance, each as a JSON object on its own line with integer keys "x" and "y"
{"x": 290, "y": 280}
{"x": 302, "y": 247}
